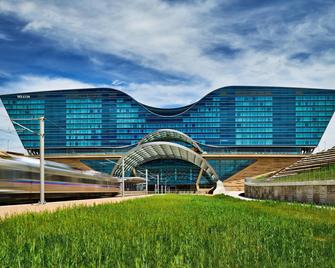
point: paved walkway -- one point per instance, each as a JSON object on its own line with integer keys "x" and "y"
{"x": 7, "y": 211}
{"x": 237, "y": 194}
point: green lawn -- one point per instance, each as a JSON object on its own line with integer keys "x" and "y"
{"x": 173, "y": 231}
{"x": 324, "y": 173}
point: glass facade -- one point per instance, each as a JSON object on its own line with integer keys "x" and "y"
{"x": 174, "y": 172}
{"x": 227, "y": 120}
{"x": 228, "y": 167}
{"x": 171, "y": 172}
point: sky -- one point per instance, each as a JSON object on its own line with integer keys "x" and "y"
{"x": 9, "y": 140}
{"x": 166, "y": 53}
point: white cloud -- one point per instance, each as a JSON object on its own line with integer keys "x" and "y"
{"x": 160, "y": 95}
{"x": 28, "y": 83}
{"x": 4, "y": 37}
{"x": 150, "y": 94}
{"x": 36, "y": 26}
{"x": 151, "y": 33}
{"x": 176, "y": 39}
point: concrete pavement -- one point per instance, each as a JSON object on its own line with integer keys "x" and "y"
{"x": 11, "y": 210}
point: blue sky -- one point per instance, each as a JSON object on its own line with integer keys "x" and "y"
{"x": 166, "y": 53}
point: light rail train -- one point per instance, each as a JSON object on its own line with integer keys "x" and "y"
{"x": 20, "y": 181}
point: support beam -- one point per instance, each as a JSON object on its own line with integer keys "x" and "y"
{"x": 198, "y": 179}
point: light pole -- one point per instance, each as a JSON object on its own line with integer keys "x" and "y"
{"x": 158, "y": 183}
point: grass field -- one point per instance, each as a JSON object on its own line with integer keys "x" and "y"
{"x": 172, "y": 231}
{"x": 324, "y": 173}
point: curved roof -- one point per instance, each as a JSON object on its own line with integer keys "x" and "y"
{"x": 162, "y": 150}
{"x": 167, "y": 112}
{"x": 170, "y": 135}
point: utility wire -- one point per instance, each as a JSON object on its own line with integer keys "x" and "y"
{"x": 55, "y": 124}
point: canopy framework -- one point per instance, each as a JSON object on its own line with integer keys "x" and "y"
{"x": 170, "y": 135}
{"x": 150, "y": 151}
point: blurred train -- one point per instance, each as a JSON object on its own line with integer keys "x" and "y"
{"x": 20, "y": 181}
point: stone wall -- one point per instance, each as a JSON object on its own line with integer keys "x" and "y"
{"x": 317, "y": 192}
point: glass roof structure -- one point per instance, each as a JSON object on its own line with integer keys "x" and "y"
{"x": 170, "y": 135}
{"x": 162, "y": 150}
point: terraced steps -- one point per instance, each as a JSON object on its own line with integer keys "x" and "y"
{"x": 309, "y": 163}
{"x": 261, "y": 166}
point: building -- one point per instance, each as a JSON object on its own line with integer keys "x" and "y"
{"x": 234, "y": 126}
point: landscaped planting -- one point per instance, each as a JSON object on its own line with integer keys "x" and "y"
{"x": 173, "y": 231}
{"x": 323, "y": 173}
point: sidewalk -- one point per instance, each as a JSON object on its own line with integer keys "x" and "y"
{"x": 11, "y": 210}
{"x": 237, "y": 194}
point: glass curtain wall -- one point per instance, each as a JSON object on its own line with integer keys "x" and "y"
{"x": 227, "y": 120}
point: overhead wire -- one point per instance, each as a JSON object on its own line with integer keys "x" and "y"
{"x": 62, "y": 128}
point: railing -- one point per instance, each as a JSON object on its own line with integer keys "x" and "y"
{"x": 204, "y": 154}
{"x": 128, "y": 193}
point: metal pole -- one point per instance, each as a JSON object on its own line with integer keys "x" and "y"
{"x": 158, "y": 183}
{"x": 122, "y": 177}
{"x": 42, "y": 194}
{"x": 146, "y": 181}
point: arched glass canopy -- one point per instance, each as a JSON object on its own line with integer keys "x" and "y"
{"x": 149, "y": 151}
{"x": 170, "y": 135}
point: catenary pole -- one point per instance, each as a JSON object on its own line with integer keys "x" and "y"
{"x": 122, "y": 177}
{"x": 42, "y": 193}
{"x": 41, "y": 135}
{"x": 146, "y": 181}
